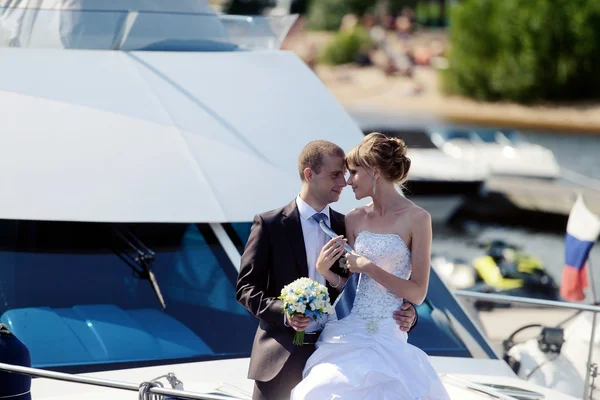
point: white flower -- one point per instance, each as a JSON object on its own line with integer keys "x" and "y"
{"x": 304, "y": 295}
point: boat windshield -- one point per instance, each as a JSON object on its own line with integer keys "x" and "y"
{"x": 140, "y": 30}
{"x": 95, "y": 296}
{"x": 459, "y": 134}
{"x": 506, "y": 137}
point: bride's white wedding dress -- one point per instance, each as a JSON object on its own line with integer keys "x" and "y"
{"x": 365, "y": 355}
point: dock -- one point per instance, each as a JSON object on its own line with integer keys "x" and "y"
{"x": 534, "y": 203}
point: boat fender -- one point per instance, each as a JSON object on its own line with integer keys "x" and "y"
{"x": 14, "y": 386}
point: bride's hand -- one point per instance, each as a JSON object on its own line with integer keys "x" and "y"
{"x": 356, "y": 263}
{"x": 330, "y": 253}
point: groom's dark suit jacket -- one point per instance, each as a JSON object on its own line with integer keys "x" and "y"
{"x": 275, "y": 255}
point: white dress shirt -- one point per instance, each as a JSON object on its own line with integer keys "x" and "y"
{"x": 314, "y": 240}
{"x": 314, "y": 237}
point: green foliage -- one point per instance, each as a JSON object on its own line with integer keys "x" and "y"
{"x": 524, "y": 50}
{"x": 422, "y": 13}
{"x": 327, "y": 14}
{"x": 360, "y": 7}
{"x": 432, "y": 13}
{"x": 396, "y": 6}
{"x": 345, "y": 46}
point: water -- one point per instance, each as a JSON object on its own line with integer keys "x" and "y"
{"x": 576, "y": 152}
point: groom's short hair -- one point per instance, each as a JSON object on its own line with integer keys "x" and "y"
{"x": 313, "y": 153}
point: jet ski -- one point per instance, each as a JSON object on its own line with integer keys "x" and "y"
{"x": 505, "y": 268}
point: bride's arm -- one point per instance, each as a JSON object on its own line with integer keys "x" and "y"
{"x": 414, "y": 289}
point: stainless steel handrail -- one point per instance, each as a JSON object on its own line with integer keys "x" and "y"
{"x": 499, "y": 298}
{"x": 589, "y": 389}
{"x": 580, "y": 179}
{"x": 41, "y": 373}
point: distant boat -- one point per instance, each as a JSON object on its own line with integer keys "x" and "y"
{"x": 504, "y": 151}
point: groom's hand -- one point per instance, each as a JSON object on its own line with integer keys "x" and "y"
{"x": 297, "y": 322}
{"x": 405, "y": 317}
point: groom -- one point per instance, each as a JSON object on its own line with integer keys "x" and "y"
{"x": 283, "y": 246}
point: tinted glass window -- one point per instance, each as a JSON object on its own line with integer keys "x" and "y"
{"x": 499, "y": 136}
{"x": 452, "y": 134}
{"x": 74, "y": 294}
{"x": 239, "y": 233}
{"x": 105, "y": 29}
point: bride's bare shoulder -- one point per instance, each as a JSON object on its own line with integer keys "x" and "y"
{"x": 357, "y": 213}
{"x": 418, "y": 215}
{"x": 355, "y": 218}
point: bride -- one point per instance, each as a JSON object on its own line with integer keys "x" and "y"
{"x": 364, "y": 355}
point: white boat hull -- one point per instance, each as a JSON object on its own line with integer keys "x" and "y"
{"x": 230, "y": 376}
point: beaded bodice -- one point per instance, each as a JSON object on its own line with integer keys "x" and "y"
{"x": 389, "y": 252}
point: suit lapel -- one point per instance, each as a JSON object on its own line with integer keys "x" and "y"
{"x": 293, "y": 230}
{"x": 337, "y": 222}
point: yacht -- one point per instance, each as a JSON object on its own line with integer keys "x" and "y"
{"x": 506, "y": 152}
{"x": 134, "y": 159}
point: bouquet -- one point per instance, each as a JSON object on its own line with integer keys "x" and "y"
{"x": 305, "y": 297}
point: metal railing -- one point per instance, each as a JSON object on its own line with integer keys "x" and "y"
{"x": 145, "y": 387}
{"x": 580, "y": 179}
{"x": 497, "y": 298}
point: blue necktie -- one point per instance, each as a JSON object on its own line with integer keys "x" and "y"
{"x": 345, "y": 300}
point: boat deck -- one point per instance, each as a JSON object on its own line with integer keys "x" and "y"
{"x": 534, "y": 203}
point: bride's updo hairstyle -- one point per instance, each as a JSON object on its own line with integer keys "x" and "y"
{"x": 388, "y": 154}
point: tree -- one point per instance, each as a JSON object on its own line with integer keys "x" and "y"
{"x": 524, "y": 50}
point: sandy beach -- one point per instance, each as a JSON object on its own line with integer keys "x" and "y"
{"x": 369, "y": 87}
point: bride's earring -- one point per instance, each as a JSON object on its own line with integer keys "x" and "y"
{"x": 374, "y": 183}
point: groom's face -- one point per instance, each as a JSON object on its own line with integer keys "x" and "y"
{"x": 330, "y": 181}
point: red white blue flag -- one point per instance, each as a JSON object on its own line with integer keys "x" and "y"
{"x": 583, "y": 229}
